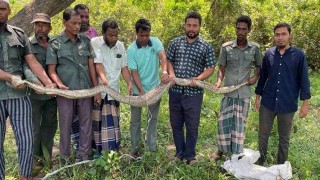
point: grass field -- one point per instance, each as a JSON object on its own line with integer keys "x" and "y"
{"x": 303, "y": 155}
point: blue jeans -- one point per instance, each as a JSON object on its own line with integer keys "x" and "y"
{"x": 185, "y": 111}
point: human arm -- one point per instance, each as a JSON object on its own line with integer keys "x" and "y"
{"x": 304, "y": 109}
{"x": 204, "y": 75}
{"x": 137, "y": 81}
{"x": 257, "y": 102}
{"x": 257, "y": 62}
{"x": 222, "y": 65}
{"x": 30, "y": 76}
{"x": 261, "y": 82}
{"x": 164, "y": 66}
{"x": 54, "y": 76}
{"x": 304, "y": 84}
{"x": 209, "y": 62}
{"x": 38, "y": 70}
{"x": 4, "y": 76}
{"x": 127, "y": 77}
{"x": 101, "y": 73}
{"x": 220, "y": 76}
{"x": 93, "y": 76}
{"x": 252, "y": 80}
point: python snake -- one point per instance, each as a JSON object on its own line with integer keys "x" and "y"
{"x": 147, "y": 99}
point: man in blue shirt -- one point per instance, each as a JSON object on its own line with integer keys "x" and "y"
{"x": 284, "y": 76}
{"x": 143, "y": 57}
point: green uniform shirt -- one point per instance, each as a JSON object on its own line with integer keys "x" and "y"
{"x": 71, "y": 60}
{"x": 40, "y": 53}
{"x": 238, "y": 63}
{"x": 14, "y": 46}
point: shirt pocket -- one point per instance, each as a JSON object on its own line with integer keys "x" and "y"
{"x": 84, "y": 55}
{"x": 118, "y": 61}
{"x": 233, "y": 60}
{"x": 64, "y": 56}
{"x": 15, "y": 54}
{"x": 248, "y": 60}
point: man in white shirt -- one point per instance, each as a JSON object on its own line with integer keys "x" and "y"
{"x": 111, "y": 60}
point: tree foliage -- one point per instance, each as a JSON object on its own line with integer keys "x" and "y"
{"x": 23, "y": 18}
{"x": 167, "y": 19}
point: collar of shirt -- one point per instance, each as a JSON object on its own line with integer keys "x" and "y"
{"x": 234, "y": 44}
{"x": 113, "y": 47}
{"x": 65, "y": 37}
{"x": 288, "y": 50}
{"x": 198, "y": 39}
{"x": 34, "y": 40}
{"x": 139, "y": 46}
{"x": 8, "y": 28}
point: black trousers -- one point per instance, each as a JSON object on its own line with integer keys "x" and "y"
{"x": 266, "y": 119}
{"x": 185, "y": 113}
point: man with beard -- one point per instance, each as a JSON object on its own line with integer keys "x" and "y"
{"x": 110, "y": 61}
{"x": 15, "y": 49}
{"x": 236, "y": 60}
{"x": 189, "y": 57}
{"x": 70, "y": 66}
{"x": 284, "y": 76}
{"x": 143, "y": 60}
{"x": 44, "y": 107}
{"x": 83, "y": 10}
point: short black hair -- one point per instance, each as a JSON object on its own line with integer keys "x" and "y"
{"x": 81, "y": 6}
{"x": 244, "y": 19}
{"x": 194, "y": 15}
{"x": 109, "y": 23}
{"x": 143, "y": 24}
{"x": 68, "y": 13}
{"x": 282, "y": 24}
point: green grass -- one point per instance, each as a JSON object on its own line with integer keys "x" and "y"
{"x": 303, "y": 153}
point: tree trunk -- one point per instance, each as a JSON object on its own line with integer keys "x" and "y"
{"x": 24, "y": 17}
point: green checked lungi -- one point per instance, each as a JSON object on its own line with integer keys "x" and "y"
{"x": 231, "y": 124}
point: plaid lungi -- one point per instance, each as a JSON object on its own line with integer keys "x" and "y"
{"x": 231, "y": 124}
{"x": 106, "y": 127}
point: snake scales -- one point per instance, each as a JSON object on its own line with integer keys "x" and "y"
{"x": 147, "y": 99}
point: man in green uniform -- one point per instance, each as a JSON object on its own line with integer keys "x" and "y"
{"x": 15, "y": 49}
{"x": 44, "y": 107}
{"x": 70, "y": 66}
{"x": 237, "y": 58}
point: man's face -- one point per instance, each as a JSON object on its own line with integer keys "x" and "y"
{"x": 143, "y": 37}
{"x": 42, "y": 29}
{"x": 192, "y": 27}
{"x": 73, "y": 25}
{"x": 111, "y": 36}
{"x": 282, "y": 37}
{"x": 84, "y": 15}
{"x": 4, "y": 11}
{"x": 242, "y": 30}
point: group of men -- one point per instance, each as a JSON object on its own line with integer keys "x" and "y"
{"x": 79, "y": 59}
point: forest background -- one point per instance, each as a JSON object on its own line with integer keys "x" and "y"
{"x": 167, "y": 19}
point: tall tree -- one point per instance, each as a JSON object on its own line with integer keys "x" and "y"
{"x": 23, "y": 18}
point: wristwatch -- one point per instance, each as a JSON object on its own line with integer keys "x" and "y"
{"x": 164, "y": 72}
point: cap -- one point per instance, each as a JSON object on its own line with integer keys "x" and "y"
{"x": 41, "y": 17}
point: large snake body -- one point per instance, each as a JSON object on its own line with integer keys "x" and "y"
{"x": 149, "y": 98}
